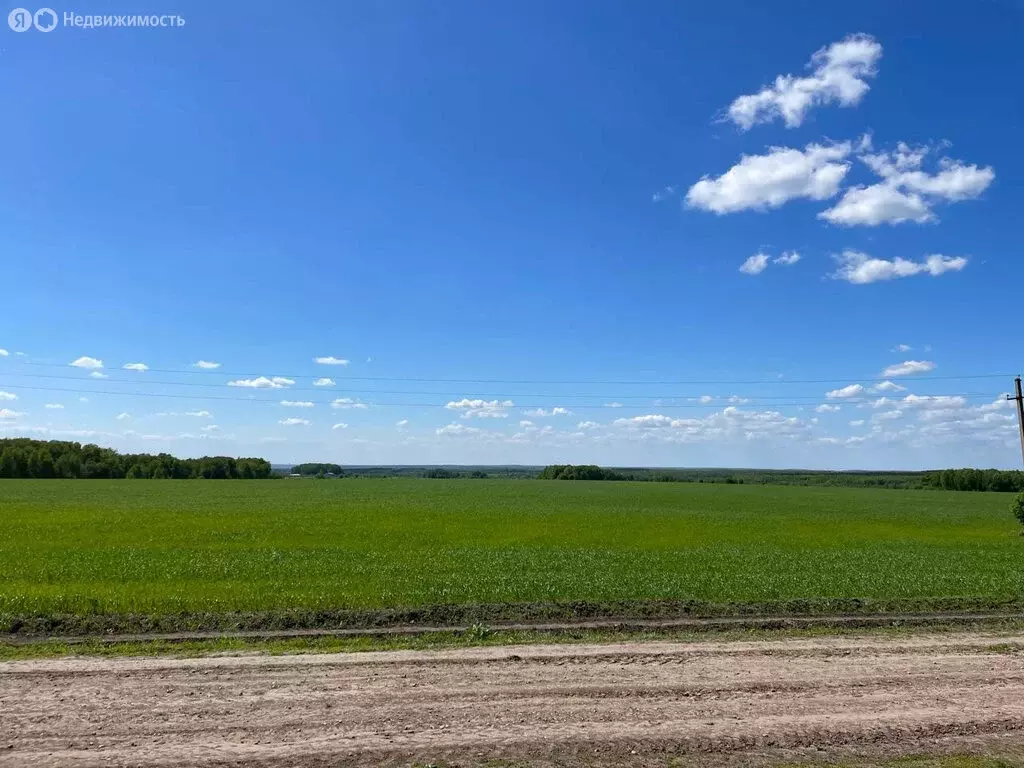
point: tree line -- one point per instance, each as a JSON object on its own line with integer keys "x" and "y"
{"x": 42, "y": 459}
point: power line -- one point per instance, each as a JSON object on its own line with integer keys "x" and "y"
{"x": 139, "y": 381}
{"x": 356, "y": 404}
{"x": 598, "y": 382}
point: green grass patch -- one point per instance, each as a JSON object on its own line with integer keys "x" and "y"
{"x": 428, "y": 549}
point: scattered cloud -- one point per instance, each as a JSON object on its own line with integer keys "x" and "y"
{"x": 7, "y": 395}
{"x": 482, "y": 409}
{"x": 760, "y": 182}
{"x": 906, "y": 193}
{"x": 200, "y": 414}
{"x": 83, "y": 399}
{"x": 330, "y": 360}
{"x": 206, "y": 365}
{"x": 210, "y": 428}
{"x": 909, "y": 368}
{"x": 888, "y": 386}
{"x": 324, "y": 382}
{"x": 901, "y": 348}
{"x": 135, "y": 367}
{"x": 7, "y": 413}
{"x": 297, "y": 403}
{"x": 263, "y": 382}
{"x": 663, "y": 194}
{"x": 97, "y": 375}
{"x": 839, "y": 74}
{"x": 787, "y": 259}
{"x": 86, "y": 362}
{"x": 857, "y": 423}
{"x": 402, "y": 423}
{"x": 541, "y": 413}
{"x": 850, "y": 390}
{"x": 458, "y": 430}
{"x": 340, "y": 425}
{"x": 294, "y": 422}
{"x": 348, "y": 402}
{"x": 826, "y": 408}
{"x": 587, "y": 425}
{"x": 4, "y": 353}
{"x": 525, "y": 423}
{"x": 729, "y": 423}
{"x": 54, "y": 406}
{"x": 755, "y": 264}
{"x": 861, "y": 269}
{"x": 613, "y": 405}
{"x": 123, "y": 416}
{"x": 705, "y": 399}
{"x": 887, "y": 415}
{"x": 737, "y": 400}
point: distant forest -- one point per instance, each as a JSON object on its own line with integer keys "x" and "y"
{"x": 26, "y": 458}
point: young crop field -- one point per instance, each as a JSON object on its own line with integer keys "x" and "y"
{"x": 162, "y": 548}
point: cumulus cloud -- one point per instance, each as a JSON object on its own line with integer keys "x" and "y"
{"x": 826, "y": 408}
{"x": 294, "y": 422}
{"x": 860, "y": 269}
{"x": 887, "y": 415}
{"x": 906, "y": 193}
{"x": 481, "y": 409}
{"x": 135, "y": 367}
{"x": 839, "y": 74}
{"x": 297, "y": 403}
{"x": 324, "y": 382}
{"x": 586, "y": 425}
{"x": 705, "y": 399}
{"x": 340, "y": 425}
{"x": 525, "y": 423}
{"x": 200, "y": 414}
{"x": 458, "y": 430}
{"x": 909, "y": 368}
{"x": 263, "y": 382}
{"x": 729, "y": 423}
{"x": 206, "y": 364}
{"x": 4, "y": 353}
{"x": 7, "y": 395}
{"x": 8, "y": 414}
{"x": 787, "y": 259}
{"x": 86, "y": 362}
{"x": 760, "y": 182}
{"x": 888, "y": 386}
{"x": 851, "y": 390}
{"x": 54, "y": 406}
{"x": 556, "y": 411}
{"x": 348, "y": 402}
{"x": 97, "y": 375}
{"x": 330, "y": 360}
{"x": 755, "y": 265}
{"x": 857, "y": 423}
{"x": 123, "y": 416}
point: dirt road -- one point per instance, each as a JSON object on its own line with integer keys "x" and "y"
{"x": 574, "y": 704}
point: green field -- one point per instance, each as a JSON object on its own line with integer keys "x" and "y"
{"x": 166, "y": 547}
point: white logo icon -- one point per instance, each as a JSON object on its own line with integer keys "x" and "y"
{"x": 45, "y": 19}
{"x": 20, "y": 20}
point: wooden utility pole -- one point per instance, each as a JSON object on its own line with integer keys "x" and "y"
{"x": 1020, "y": 411}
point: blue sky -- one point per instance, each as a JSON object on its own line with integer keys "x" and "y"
{"x": 527, "y": 203}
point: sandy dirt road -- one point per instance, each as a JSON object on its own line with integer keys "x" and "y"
{"x": 576, "y": 705}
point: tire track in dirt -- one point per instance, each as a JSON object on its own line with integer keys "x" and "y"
{"x": 580, "y": 703}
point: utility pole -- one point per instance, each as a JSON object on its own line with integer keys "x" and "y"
{"x": 1020, "y": 412}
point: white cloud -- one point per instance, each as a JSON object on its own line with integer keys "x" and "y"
{"x": 402, "y": 423}
{"x": 4, "y": 353}
{"x": 347, "y": 402}
{"x": 7, "y": 413}
{"x": 937, "y": 402}
{"x": 888, "y": 386}
{"x": 729, "y": 423}
{"x": 200, "y": 414}
{"x": 206, "y": 364}
{"x": 123, "y": 416}
{"x": 613, "y": 405}
{"x": 210, "y": 428}
{"x": 7, "y": 395}
{"x": 97, "y": 375}
{"x": 850, "y": 390}
{"x": 663, "y": 194}
{"x": 83, "y": 399}
{"x": 888, "y": 415}
{"x": 788, "y": 258}
{"x": 861, "y": 269}
{"x": 86, "y": 362}
{"x": 482, "y": 409}
{"x": 767, "y": 181}
{"x": 587, "y": 425}
{"x": 340, "y": 425}
{"x": 323, "y": 382}
{"x": 54, "y": 406}
{"x": 135, "y": 367}
{"x": 737, "y": 400}
{"x": 262, "y": 382}
{"x": 525, "y": 423}
{"x": 294, "y": 422}
{"x": 826, "y": 408}
{"x": 458, "y": 430}
{"x": 902, "y": 348}
{"x": 909, "y": 368}
{"x": 906, "y": 193}
{"x": 838, "y": 76}
{"x": 857, "y": 423}
{"x": 705, "y": 399}
{"x": 755, "y": 265}
{"x": 297, "y": 403}
{"x": 330, "y": 360}
{"x": 556, "y": 411}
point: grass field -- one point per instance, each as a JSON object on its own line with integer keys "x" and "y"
{"x": 161, "y": 548}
